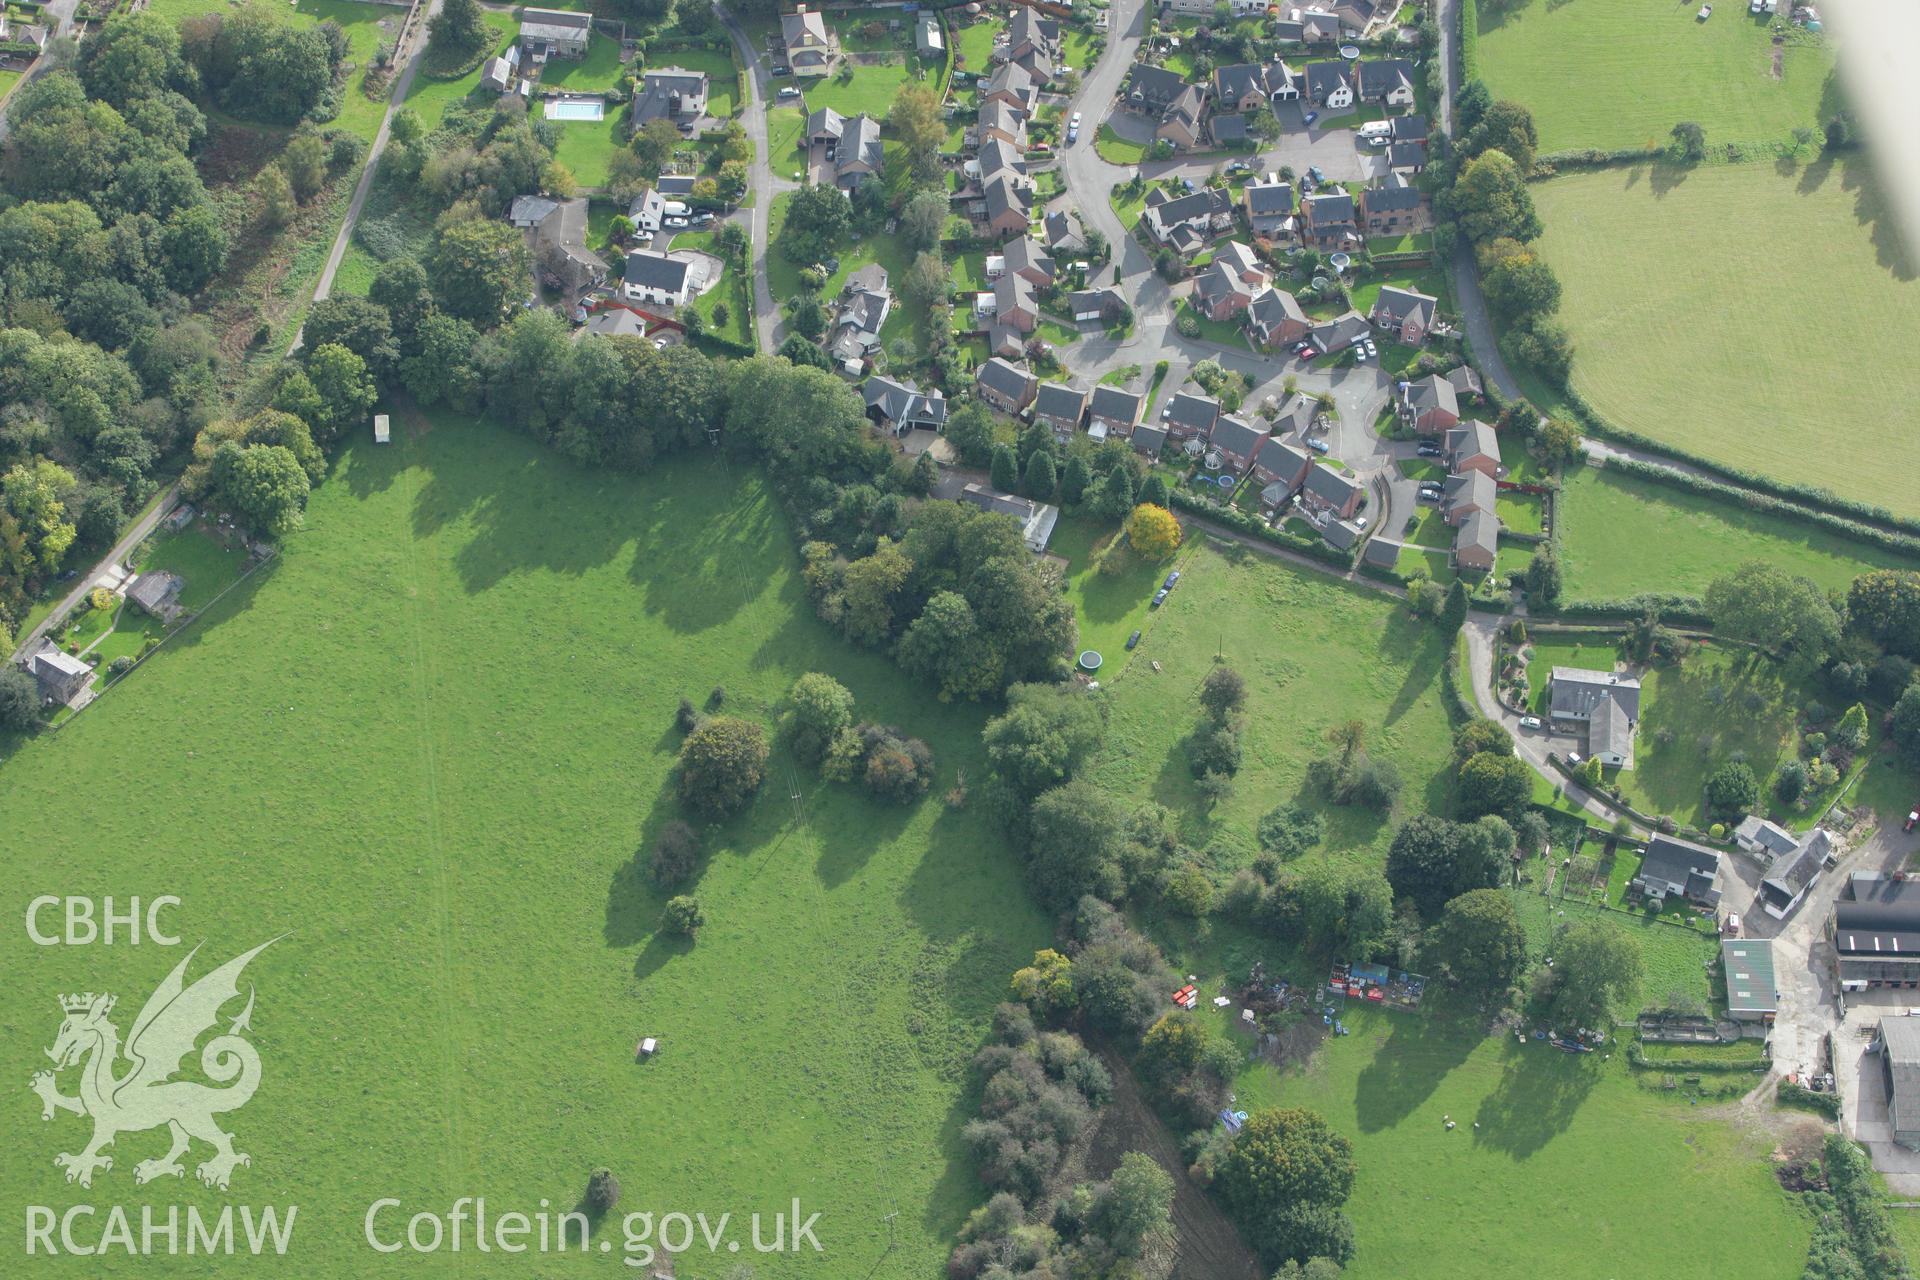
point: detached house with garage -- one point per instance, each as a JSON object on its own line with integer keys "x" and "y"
{"x": 1674, "y": 870}
{"x": 1603, "y": 704}
{"x": 669, "y": 93}
{"x": 1388, "y": 82}
{"x": 1279, "y": 463}
{"x": 1004, "y": 385}
{"x": 1114, "y": 412}
{"x": 1469, "y": 493}
{"x": 554, "y": 33}
{"x": 1327, "y": 222}
{"x": 1152, "y": 89}
{"x": 656, "y": 278}
{"x": 1473, "y": 446}
{"x": 1185, "y": 223}
{"x": 1395, "y": 207}
{"x": 1025, "y": 258}
{"x": 1060, "y": 407}
{"x": 811, "y": 48}
{"x": 1430, "y": 405}
{"x": 1333, "y": 492}
{"x": 1404, "y": 315}
{"x": 1269, "y": 208}
{"x": 1228, "y": 285}
{"x": 901, "y": 407}
{"x": 1275, "y": 319}
{"x": 1237, "y": 440}
{"x": 1181, "y": 123}
{"x": 1188, "y": 416}
{"x": 1476, "y": 542}
{"x": 1329, "y": 85}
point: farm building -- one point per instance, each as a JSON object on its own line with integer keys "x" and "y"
{"x": 1898, "y": 1043}
{"x": 1751, "y": 994}
{"x": 554, "y": 33}
{"x": 1874, "y": 929}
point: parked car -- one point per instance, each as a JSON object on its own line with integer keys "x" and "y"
{"x": 1370, "y": 349}
{"x": 1172, "y": 580}
{"x": 1239, "y": 166}
{"x": 1311, "y": 116}
{"x": 1359, "y": 522}
{"x": 1913, "y": 820}
{"x": 676, "y": 222}
{"x": 1074, "y": 123}
{"x": 782, "y": 69}
{"x": 1073, "y": 134}
{"x": 1379, "y": 139}
{"x": 1529, "y": 722}
{"x": 1159, "y": 598}
{"x": 1305, "y": 351}
{"x": 703, "y": 218}
{"x": 1360, "y": 351}
{"x": 1316, "y": 174}
{"x": 1133, "y": 640}
{"x": 788, "y": 91}
{"x": 1428, "y": 449}
{"x": 1316, "y": 444}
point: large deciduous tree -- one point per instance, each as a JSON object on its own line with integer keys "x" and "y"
{"x": 1491, "y": 200}
{"x": 1764, "y": 604}
{"x": 722, "y": 764}
{"x": 1478, "y": 945}
{"x": 479, "y": 267}
{"x": 1283, "y": 1165}
{"x": 1596, "y": 966}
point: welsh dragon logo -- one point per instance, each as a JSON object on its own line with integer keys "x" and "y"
{"x": 144, "y": 1095}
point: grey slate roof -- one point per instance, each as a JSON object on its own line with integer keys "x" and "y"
{"x": 1789, "y": 876}
{"x": 1679, "y": 868}
{"x": 1237, "y": 436}
{"x": 1025, "y": 253}
{"x": 1380, "y": 78}
{"x": 1430, "y": 393}
{"x": 1155, "y": 86}
{"x": 1609, "y": 729}
{"x": 1005, "y": 377}
{"x": 1390, "y": 198}
{"x": 1407, "y": 155}
{"x": 1273, "y": 307}
{"x": 651, "y": 270}
{"x": 616, "y": 322}
{"x": 1469, "y": 490}
{"x": 1409, "y": 129}
{"x": 1328, "y": 209}
{"x": 825, "y": 123}
{"x": 1232, "y": 83}
{"x": 860, "y": 144}
{"x": 1014, "y": 293}
{"x": 1149, "y": 438}
{"x": 1269, "y": 199}
{"x": 1575, "y": 690}
{"x": 1774, "y": 838}
{"x": 903, "y": 402}
{"x": 1323, "y": 78}
{"x": 1283, "y": 459}
{"x": 1229, "y": 128}
{"x": 1004, "y": 192}
{"x": 1472, "y": 439}
{"x": 1116, "y": 404}
{"x": 1330, "y": 486}
{"x": 1187, "y": 410}
{"x": 1296, "y": 415}
{"x": 1339, "y": 534}
{"x": 1063, "y": 233}
{"x": 1060, "y": 401}
{"x": 998, "y": 155}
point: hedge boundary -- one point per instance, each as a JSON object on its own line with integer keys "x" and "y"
{"x": 1798, "y": 1095}
{"x": 1469, "y": 41}
{"x": 1832, "y": 521}
{"x": 1240, "y": 522}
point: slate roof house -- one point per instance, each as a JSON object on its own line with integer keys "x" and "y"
{"x": 1227, "y": 130}
{"x": 1672, "y": 869}
{"x": 1430, "y": 405}
{"x": 556, "y": 233}
{"x": 1113, "y": 411}
{"x": 1874, "y": 929}
{"x": 865, "y": 301}
{"x": 901, "y": 407}
{"x": 1063, "y": 233}
{"x": 1275, "y": 319}
{"x": 614, "y": 322}
{"x": 1014, "y": 305}
{"x": 810, "y": 46}
{"x": 1476, "y": 542}
{"x": 1269, "y": 209}
{"x": 1395, "y": 207}
{"x": 1202, "y": 214}
{"x": 1606, "y": 703}
{"x": 554, "y": 33}
{"x": 59, "y": 676}
{"x": 158, "y": 594}
{"x": 1149, "y": 439}
{"x": 996, "y": 157}
{"x": 1408, "y": 129}
{"x": 1404, "y": 314}
{"x": 1408, "y": 157}
{"x": 825, "y": 125}
{"x": 1897, "y": 1044}
{"x": 1326, "y": 221}
{"x": 1792, "y": 874}
{"x": 1180, "y": 123}
{"x": 496, "y": 74}
{"x": 654, "y": 277}
{"x": 1237, "y": 440}
{"x": 669, "y": 93}
{"x": 1061, "y": 406}
{"x": 1768, "y": 841}
{"x": 1341, "y": 332}
{"x": 1227, "y": 285}
{"x": 1465, "y": 494}
{"x": 1006, "y": 204}
{"x": 1036, "y": 519}
{"x": 1279, "y": 463}
{"x": 1473, "y": 446}
{"x": 1388, "y": 81}
{"x": 1332, "y": 491}
{"x": 1188, "y": 415}
{"x": 1026, "y": 259}
{"x": 1296, "y": 415}
{"x": 1153, "y": 89}
{"x": 1241, "y": 87}
{"x": 859, "y": 156}
{"x": 1329, "y": 85}
{"x": 1006, "y": 386}
{"x": 1104, "y": 305}
{"x": 998, "y": 121}
{"x": 1014, "y": 85}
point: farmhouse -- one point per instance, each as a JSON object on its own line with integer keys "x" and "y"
{"x": 556, "y": 233}
{"x": 1188, "y": 415}
{"x": 1473, "y": 446}
{"x": 1476, "y": 543}
{"x": 670, "y": 93}
{"x": 1605, "y": 703}
{"x": 1112, "y": 411}
{"x": 1333, "y": 492}
{"x": 810, "y": 46}
{"x": 1060, "y": 406}
{"x": 1275, "y": 319}
{"x": 1236, "y": 440}
{"x": 1898, "y": 1044}
{"x": 1006, "y": 386}
{"x": 1793, "y": 873}
{"x": 1036, "y": 519}
{"x": 1269, "y": 209}
{"x": 554, "y": 33}
{"x": 60, "y": 676}
{"x": 158, "y": 594}
{"x": 1874, "y": 929}
{"x": 1672, "y": 869}
{"x": 1430, "y": 405}
{"x": 1404, "y": 314}
{"x": 901, "y": 407}
{"x": 654, "y": 277}
{"x": 1751, "y": 993}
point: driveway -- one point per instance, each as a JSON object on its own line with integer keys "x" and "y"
{"x": 136, "y": 534}
{"x": 761, "y": 182}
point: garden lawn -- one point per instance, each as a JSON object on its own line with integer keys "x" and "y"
{"x": 1224, "y": 332}
{"x": 1110, "y": 606}
{"x": 784, "y": 127}
{"x": 353, "y": 754}
{"x": 1315, "y": 653}
{"x": 889, "y": 251}
{"x": 7, "y": 81}
{"x": 594, "y": 73}
{"x": 1561, "y": 1164}
{"x": 871, "y": 90}
{"x": 1704, "y": 341}
{"x": 1683, "y": 541}
{"x": 1115, "y": 149}
{"x": 1623, "y": 73}
{"x": 1521, "y": 512}
{"x": 206, "y": 566}
{"x": 973, "y": 43}
{"x": 587, "y": 146}
{"x": 431, "y": 98}
{"x": 732, "y": 290}
{"x": 722, "y": 72}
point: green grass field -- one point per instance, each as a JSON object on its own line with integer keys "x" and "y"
{"x": 594, "y": 73}
{"x": 431, "y": 98}
{"x": 1683, "y": 541}
{"x": 1774, "y": 332}
{"x": 1573, "y": 1169}
{"x": 1109, "y": 606}
{"x": 1315, "y": 653}
{"x": 1622, "y": 73}
{"x": 871, "y": 89}
{"x": 783, "y": 275}
{"x": 587, "y": 146}
{"x": 426, "y": 747}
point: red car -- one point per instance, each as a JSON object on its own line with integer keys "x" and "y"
{"x": 1913, "y": 819}
{"x": 1305, "y": 351}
